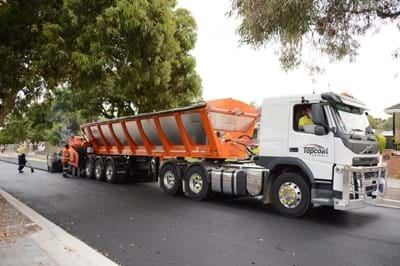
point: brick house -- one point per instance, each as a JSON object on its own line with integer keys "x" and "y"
{"x": 391, "y": 157}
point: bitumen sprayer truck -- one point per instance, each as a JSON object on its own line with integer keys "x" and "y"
{"x": 207, "y": 148}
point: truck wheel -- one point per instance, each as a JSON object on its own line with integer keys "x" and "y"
{"x": 89, "y": 169}
{"x": 169, "y": 180}
{"x": 196, "y": 183}
{"x": 74, "y": 171}
{"x": 98, "y": 170}
{"x": 81, "y": 172}
{"x": 110, "y": 172}
{"x": 291, "y": 195}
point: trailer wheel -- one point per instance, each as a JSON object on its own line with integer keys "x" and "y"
{"x": 291, "y": 195}
{"x": 196, "y": 183}
{"x": 89, "y": 168}
{"x": 170, "y": 182}
{"x": 110, "y": 172}
{"x": 98, "y": 170}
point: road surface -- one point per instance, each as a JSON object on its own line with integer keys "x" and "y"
{"x": 137, "y": 224}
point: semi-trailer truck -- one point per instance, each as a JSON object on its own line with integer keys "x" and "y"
{"x": 207, "y": 148}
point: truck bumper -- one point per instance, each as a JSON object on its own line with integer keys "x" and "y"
{"x": 361, "y": 187}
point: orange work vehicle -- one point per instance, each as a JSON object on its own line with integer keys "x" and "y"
{"x": 184, "y": 147}
{"x": 74, "y": 157}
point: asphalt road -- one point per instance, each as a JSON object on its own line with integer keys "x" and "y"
{"x": 137, "y": 224}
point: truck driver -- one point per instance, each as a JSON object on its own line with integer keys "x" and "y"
{"x": 306, "y": 118}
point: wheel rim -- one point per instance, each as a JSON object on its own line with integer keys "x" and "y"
{"x": 196, "y": 183}
{"x": 97, "y": 171}
{"x": 169, "y": 179}
{"x": 88, "y": 169}
{"x": 290, "y": 195}
{"x": 109, "y": 172}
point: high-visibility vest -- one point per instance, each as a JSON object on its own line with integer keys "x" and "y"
{"x": 305, "y": 120}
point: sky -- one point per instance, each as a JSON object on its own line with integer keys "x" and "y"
{"x": 229, "y": 69}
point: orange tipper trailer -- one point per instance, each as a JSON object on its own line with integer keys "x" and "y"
{"x": 214, "y": 129}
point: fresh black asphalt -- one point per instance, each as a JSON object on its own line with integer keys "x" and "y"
{"x": 137, "y": 224}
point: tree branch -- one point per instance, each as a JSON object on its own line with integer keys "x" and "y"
{"x": 379, "y": 13}
{"x": 383, "y": 14}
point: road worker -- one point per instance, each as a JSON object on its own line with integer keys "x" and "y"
{"x": 65, "y": 160}
{"x": 306, "y": 118}
{"x": 21, "y": 158}
{"x": 21, "y": 162}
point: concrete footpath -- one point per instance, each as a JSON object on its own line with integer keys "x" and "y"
{"x": 50, "y": 245}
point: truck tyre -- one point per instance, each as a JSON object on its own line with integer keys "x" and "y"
{"x": 110, "y": 172}
{"x": 74, "y": 171}
{"x": 196, "y": 183}
{"x": 170, "y": 182}
{"x": 89, "y": 169}
{"x": 291, "y": 195}
{"x": 98, "y": 170}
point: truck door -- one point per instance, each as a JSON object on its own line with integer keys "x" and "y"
{"x": 317, "y": 152}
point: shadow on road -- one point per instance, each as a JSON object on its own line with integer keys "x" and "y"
{"x": 318, "y": 215}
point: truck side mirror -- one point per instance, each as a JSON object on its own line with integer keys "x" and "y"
{"x": 318, "y": 115}
{"x": 319, "y": 130}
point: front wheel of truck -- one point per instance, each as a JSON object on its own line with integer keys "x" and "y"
{"x": 291, "y": 195}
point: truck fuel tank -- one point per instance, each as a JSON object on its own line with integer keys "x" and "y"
{"x": 238, "y": 180}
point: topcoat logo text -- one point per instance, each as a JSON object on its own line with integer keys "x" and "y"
{"x": 316, "y": 150}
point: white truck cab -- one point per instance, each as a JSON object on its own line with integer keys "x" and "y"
{"x": 334, "y": 161}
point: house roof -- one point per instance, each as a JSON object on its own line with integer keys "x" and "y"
{"x": 387, "y": 133}
{"x": 393, "y": 109}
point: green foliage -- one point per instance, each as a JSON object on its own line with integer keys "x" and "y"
{"x": 53, "y": 134}
{"x": 386, "y": 124}
{"x": 38, "y": 120}
{"x": 15, "y": 130}
{"x": 112, "y": 57}
{"x": 373, "y": 121}
{"x": 382, "y": 124}
{"x": 332, "y": 27}
{"x": 21, "y": 23}
{"x": 381, "y": 142}
{"x": 126, "y": 56}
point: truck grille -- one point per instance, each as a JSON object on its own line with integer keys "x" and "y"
{"x": 363, "y": 184}
{"x": 371, "y": 175}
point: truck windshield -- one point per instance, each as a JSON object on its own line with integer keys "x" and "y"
{"x": 350, "y": 119}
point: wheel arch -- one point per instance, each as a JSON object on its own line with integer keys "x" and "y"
{"x": 279, "y": 165}
{"x": 174, "y": 163}
{"x": 108, "y": 159}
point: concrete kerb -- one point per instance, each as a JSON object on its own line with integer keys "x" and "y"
{"x": 388, "y": 203}
{"x": 59, "y": 245}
